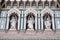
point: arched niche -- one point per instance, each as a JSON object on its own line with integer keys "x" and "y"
{"x": 30, "y": 21}
{"x": 47, "y": 21}
{"x": 50, "y": 13}
{"x": 13, "y": 22}
{"x": 13, "y": 11}
{"x": 27, "y": 12}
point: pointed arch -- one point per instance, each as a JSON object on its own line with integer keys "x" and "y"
{"x": 12, "y": 12}
{"x": 47, "y": 21}
{"x": 50, "y": 12}
{"x": 47, "y": 10}
{"x": 34, "y": 12}
{"x": 30, "y": 10}
{"x": 30, "y": 18}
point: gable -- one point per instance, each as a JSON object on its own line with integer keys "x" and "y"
{"x": 13, "y": 10}
{"x": 47, "y": 10}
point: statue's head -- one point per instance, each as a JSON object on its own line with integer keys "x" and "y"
{"x": 48, "y": 18}
{"x": 30, "y": 18}
{"x": 13, "y": 18}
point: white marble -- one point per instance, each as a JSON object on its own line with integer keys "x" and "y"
{"x": 30, "y": 10}
{"x": 47, "y": 24}
{"x": 30, "y": 24}
{"x": 13, "y": 22}
{"x": 49, "y": 11}
{"x": 16, "y": 10}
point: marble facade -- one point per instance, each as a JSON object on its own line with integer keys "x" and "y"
{"x": 33, "y": 11}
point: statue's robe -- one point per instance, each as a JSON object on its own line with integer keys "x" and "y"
{"x": 47, "y": 24}
{"x": 13, "y": 24}
{"x": 30, "y": 24}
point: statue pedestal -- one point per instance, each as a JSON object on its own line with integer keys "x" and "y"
{"x": 48, "y": 32}
{"x": 12, "y": 29}
{"x": 48, "y": 29}
{"x": 30, "y": 29}
{"x": 32, "y": 32}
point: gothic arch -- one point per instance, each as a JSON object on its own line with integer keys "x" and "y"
{"x": 47, "y": 18}
{"x": 10, "y": 21}
{"x": 30, "y": 15}
{"x": 50, "y": 12}
{"x": 30, "y": 10}
{"x": 47, "y": 10}
{"x": 15, "y": 11}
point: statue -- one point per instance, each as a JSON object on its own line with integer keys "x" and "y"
{"x": 30, "y": 23}
{"x": 13, "y": 22}
{"x": 47, "y": 23}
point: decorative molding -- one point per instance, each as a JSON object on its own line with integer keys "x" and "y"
{"x": 47, "y": 10}
{"x": 12, "y": 11}
{"x": 30, "y": 10}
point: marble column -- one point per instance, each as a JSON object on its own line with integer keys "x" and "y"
{"x": 19, "y": 21}
{"x": 24, "y": 22}
{"x": 36, "y": 22}
{"x": 41, "y": 23}
{"x": 53, "y": 25}
{"x": 7, "y": 23}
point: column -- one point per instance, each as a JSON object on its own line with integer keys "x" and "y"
{"x": 53, "y": 22}
{"x": 23, "y": 19}
{"x": 41, "y": 23}
{"x": 24, "y": 22}
{"x": 36, "y": 22}
{"x": 39, "y": 20}
{"x": 7, "y": 23}
{"x": 19, "y": 21}
{"x": 22, "y": 25}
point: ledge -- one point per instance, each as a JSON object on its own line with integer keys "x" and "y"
{"x": 29, "y": 32}
{"x": 26, "y": 34}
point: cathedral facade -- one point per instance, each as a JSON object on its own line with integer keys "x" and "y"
{"x": 29, "y": 20}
